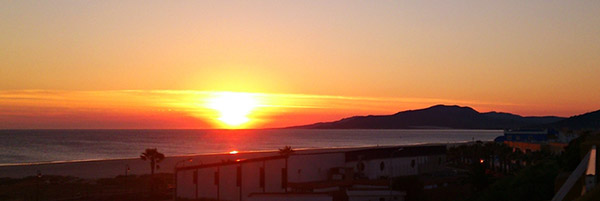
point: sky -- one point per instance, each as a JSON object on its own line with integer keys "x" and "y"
{"x": 163, "y": 64}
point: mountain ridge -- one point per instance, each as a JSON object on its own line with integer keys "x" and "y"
{"x": 437, "y": 116}
{"x": 585, "y": 121}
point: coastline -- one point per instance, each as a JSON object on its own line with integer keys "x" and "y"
{"x": 104, "y": 168}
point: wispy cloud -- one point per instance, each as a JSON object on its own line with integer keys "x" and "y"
{"x": 193, "y": 100}
{"x": 274, "y": 109}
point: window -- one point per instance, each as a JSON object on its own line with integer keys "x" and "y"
{"x": 262, "y": 177}
{"x": 412, "y": 163}
{"x": 382, "y": 166}
{"x": 283, "y": 177}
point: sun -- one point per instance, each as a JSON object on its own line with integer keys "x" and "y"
{"x": 233, "y": 107}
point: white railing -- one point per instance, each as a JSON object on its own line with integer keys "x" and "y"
{"x": 587, "y": 166}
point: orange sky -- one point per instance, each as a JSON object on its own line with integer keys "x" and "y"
{"x": 151, "y": 64}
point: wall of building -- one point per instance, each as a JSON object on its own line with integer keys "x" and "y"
{"x": 251, "y": 178}
{"x": 301, "y": 168}
{"x": 397, "y": 167}
{"x": 227, "y": 183}
{"x": 185, "y": 184}
{"x": 206, "y": 182}
{"x": 431, "y": 163}
{"x": 314, "y": 167}
{"x": 400, "y": 166}
{"x": 404, "y": 166}
{"x": 227, "y": 187}
{"x": 273, "y": 175}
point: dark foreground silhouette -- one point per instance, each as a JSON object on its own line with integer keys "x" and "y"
{"x": 64, "y": 188}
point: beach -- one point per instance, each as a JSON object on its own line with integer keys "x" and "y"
{"x": 94, "y": 169}
{"x": 111, "y": 168}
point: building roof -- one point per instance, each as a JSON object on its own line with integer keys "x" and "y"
{"x": 229, "y": 162}
{"x": 398, "y": 151}
{"x": 353, "y": 155}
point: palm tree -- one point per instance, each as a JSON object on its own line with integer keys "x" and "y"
{"x": 286, "y": 152}
{"x": 154, "y": 157}
{"x": 505, "y": 155}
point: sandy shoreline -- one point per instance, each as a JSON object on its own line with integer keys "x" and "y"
{"x": 114, "y": 167}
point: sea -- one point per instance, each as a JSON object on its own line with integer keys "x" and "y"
{"x": 38, "y": 146}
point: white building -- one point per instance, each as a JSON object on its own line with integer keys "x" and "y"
{"x": 329, "y": 175}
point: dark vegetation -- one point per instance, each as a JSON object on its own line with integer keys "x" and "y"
{"x": 63, "y": 188}
{"x": 587, "y": 121}
{"x": 154, "y": 157}
{"x": 493, "y": 171}
{"x": 522, "y": 176}
{"x": 286, "y": 151}
{"x": 411, "y": 185}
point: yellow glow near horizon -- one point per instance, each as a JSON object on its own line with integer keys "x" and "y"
{"x": 233, "y": 107}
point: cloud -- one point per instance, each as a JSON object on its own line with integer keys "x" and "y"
{"x": 186, "y": 108}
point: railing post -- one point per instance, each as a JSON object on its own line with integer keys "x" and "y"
{"x": 590, "y": 173}
{"x": 586, "y": 168}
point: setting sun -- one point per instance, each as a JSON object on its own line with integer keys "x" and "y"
{"x": 233, "y": 107}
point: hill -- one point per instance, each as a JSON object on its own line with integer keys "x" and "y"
{"x": 589, "y": 120}
{"x": 439, "y": 116}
